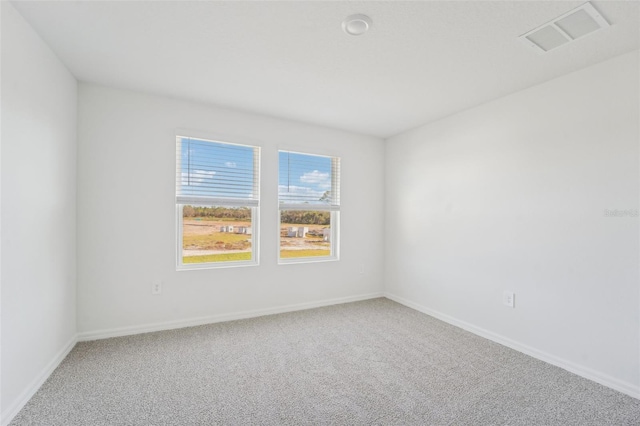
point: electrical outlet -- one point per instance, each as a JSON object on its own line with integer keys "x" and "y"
{"x": 509, "y": 299}
{"x": 156, "y": 287}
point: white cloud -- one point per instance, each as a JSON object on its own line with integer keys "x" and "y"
{"x": 322, "y": 179}
{"x": 294, "y": 192}
{"x": 197, "y": 176}
{"x": 230, "y": 164}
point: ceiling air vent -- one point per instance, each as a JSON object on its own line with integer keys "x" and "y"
{"x": 572, "y": 25}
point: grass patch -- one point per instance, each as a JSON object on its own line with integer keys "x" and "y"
{"x": 288, "y": 254}
{"x": 245, "y": 221}
{"x": 208, "y": 242}
{"x": 223, "y": 257}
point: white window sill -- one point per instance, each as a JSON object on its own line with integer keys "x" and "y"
{"x": 295, "y": 261}
{"x": 217, "y": 265}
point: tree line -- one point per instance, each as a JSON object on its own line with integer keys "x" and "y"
{"x": 243, "y": 213}
{"x": 303, "y": 217}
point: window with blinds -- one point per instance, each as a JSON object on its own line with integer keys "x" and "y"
{"x": 217, "y": 201}
{"x": 309, "y": 204}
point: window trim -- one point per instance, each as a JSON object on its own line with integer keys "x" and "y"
{"x": 335, "y": 235}
{"x": 255, "y": 242}
{"x": 334, "y": 209}
{"x": 203, "y": 201}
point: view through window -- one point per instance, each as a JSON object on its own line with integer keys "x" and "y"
{"x": 308, "y": 195}
{"x": 217, "y": 200}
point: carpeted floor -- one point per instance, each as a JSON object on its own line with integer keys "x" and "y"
{"x": 367, "y": 363}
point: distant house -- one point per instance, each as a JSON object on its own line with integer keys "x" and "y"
{"x": 297, "y": 231}
{"x": 243, "y": 230}
{"x": 326, "y": 234}
{"x": 226, "y": 228}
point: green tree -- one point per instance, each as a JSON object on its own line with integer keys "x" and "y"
{"x": 326, "y": 197}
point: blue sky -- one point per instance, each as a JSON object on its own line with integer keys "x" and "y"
{"x": 222, "y": 170}
{"x": 215, "y": 169}
{"x": 302, "y": 177}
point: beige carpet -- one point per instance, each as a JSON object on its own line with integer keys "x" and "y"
{"x": 367, "y": 363}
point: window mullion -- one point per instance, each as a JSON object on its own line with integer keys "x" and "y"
{"x": 221, "y": 188}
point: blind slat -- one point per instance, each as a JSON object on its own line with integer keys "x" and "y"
{"x": 304, "y": 207}
{"x": 220, "y": 201}
{"x": 308, "y": 180}
{"x": 216, "y": 172}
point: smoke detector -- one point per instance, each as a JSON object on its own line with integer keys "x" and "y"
{"x": 356, "y": 24}
{"x": 564, "y": 29}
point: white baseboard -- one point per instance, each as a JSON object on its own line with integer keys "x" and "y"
{"x": 588, "y": 373}
{"x": 170, "y": 325}
{"x": 10, "y": 412}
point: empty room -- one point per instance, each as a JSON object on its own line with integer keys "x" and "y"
{"x": 320, "y": 212}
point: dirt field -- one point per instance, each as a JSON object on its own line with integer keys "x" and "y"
{"x": 193, "y": 226}
{"x": 202, "y": 237}
{"x": 310, "y": 242}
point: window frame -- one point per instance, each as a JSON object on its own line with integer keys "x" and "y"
{"x": 334, "y": 210}
{"x": 204, "y": 201}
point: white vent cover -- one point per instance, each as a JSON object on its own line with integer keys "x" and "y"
{"x": 572, "y": 25}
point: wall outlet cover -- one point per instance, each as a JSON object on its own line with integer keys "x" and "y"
{"x": 509, "y": 299}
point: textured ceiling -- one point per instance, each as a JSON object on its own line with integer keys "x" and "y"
{"x": 420, "y": 61}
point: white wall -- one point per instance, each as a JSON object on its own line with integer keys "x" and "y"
{"x": 127, "y": 222}
{"x": 511, "y": 196}
{"x": 38, "y": 210}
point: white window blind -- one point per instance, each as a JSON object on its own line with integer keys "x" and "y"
{"x": 308, "y": 182}
{"x": 210, "y": 172}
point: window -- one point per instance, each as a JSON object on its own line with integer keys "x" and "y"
{"x": 309, "y": 203}
{"x": 217, "y": 203}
